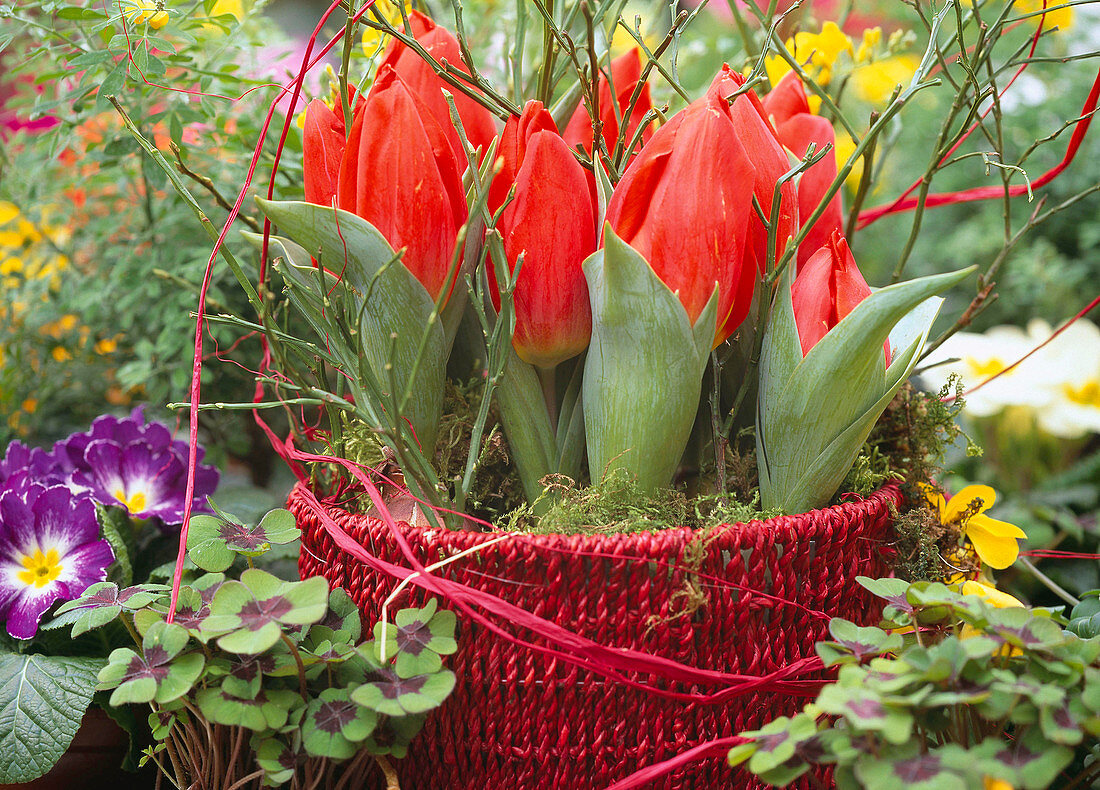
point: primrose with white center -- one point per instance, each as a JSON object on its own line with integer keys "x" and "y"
{"x": 50, "y": 550}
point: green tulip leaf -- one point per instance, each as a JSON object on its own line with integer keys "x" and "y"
{"x": 644, "y": 368}
{"x": 814, "y": 413}
{"x": 390, "y": 300}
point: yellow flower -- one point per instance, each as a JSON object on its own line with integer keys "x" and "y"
{"x": 61, "y": 354}
{"x": 11, "y": 265}
{"x": 875, "y": 82}
{"x": 843, "y": 149}
{"x": 872, "y": 37}
{"x": 8, "y": 212}
{"x": 989, "y": 783}
{"x": 634, "y": 12}
{"x": 105, "y": 346}
{"x": 374, "y": 40}
{"x": 232, "y": 7}
{"x": 1061, "y": 18}
{"x": 993, "y": 540}
{"x": 990, "y": 594}
{"x": 30, "y": 405}
{"x": 817, "y": 53}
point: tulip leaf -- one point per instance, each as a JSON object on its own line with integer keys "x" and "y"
{"x": 397, "y": 312}
{"x": 644, "y": 369}
{"x": 814, "y": 414}
{"x": 526, "y": 422}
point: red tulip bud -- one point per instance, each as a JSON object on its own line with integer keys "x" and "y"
{"x": 770, "y": 160}
{"x": 551, "y": 223}
{"x": 323, "y": 147}
{"x": 827, "y": 288}
{"x": 399, "y": 174}
{"x": 786, "y": 99}
{"x": 626, "y": 70}
{"x": 477, "y": 121}
{"x": 684, "y": 205}
{"x": 797, "y": 128}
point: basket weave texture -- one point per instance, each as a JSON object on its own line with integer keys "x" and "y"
{"x": 520, "y": 721}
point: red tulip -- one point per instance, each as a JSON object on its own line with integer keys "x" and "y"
{"x": 323, "y": 147}
{"x": 399, "y": 174}
{"x": 626, "y": 70}
{"x": 797, "y": 128}
{"x": 477, "y": 121}
{"x": 770, "y": 161}
{"x": 827, "y": 288}
{"x": 683, "y": 204}
{"x": 551, "y": 223}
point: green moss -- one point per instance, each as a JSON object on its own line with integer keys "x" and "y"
{"x": 616, "y": 505}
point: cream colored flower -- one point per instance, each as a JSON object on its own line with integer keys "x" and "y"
{"x": 976, "y": 358}
{"x": 1069, "y": 370}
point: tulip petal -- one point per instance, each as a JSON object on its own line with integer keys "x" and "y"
{"x": 797, "y": 134}
{"x": 323, "y": 147}
{"x": 440, "y": 43}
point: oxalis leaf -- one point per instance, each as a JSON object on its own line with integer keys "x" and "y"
{"x": 42, "y": 700}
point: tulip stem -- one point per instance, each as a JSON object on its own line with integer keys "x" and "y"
{"x": 548, "y": 380}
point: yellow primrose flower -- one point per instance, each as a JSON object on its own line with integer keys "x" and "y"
{"x": 989, "y": 783}
{"x": 993, "y": 540}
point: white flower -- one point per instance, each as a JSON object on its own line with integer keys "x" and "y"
{"x": 1070, "y": 369}
{"x": 976, "y": 358}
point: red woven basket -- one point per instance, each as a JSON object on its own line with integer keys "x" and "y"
{"x": 520, "y": 721}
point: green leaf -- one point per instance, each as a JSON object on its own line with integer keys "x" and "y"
{"x": 814, "y": 413}
{"x": 644, "y": 369}
{"x": 334, "y": 726}
{"x": 205, "y": 545}
{"x": 392, "y": 695}
{"x": 389, "y": 298}
{"x": 42, "y": 700}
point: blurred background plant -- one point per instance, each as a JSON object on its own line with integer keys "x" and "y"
{"x": 100, "y": 271}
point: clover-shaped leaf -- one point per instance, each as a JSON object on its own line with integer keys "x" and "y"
{"x": 342, "y": 622}
{"x": 213, "y": 542}
{"x": 419, "y": 637}
{"x": 276, "y": 760}
{"x": 852, "y": 642}
{"x": 1035, "y": 762}
{"x": 101, "y": 603}
{"x": 334, "y": 726}
{"x": 865, "y": 710}
{"x": 267, "y": 711}
{"x": 250, "y": 615}
{"x": 159, "y": 674}
{"x": 914, "y": 770}
{"x": 392, "y": 695}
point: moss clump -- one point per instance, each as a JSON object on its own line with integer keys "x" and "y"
{"x": 496, "y": 489}
{"x": 617, "y": 505}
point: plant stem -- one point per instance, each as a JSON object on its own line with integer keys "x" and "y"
{"x": 388, "y": 771}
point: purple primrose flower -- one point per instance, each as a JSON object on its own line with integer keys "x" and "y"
{"x": 126, "y": 461}
{"x": 50, "y": 550}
